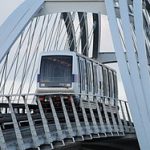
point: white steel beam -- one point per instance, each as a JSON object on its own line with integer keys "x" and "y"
{"x": 18, "y": 134}
{"x": 57, "y": 123}
{"x": 48, "y": 135}
{"x": 107, "y": 57}
{"x": 76, "y": 117}
{"x": 123, "y": 66}
{"x": 15, "y": 23}
{"x": 35, "y": 137}
{"x": 141, "y": 50}
{"x": 67, "y": 119}
{"x": 136, "y": 77}
{"x": 110, "y": 57}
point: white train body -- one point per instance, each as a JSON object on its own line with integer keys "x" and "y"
{"x": 69, "y": 72}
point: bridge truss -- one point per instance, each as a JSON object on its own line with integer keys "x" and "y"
{"x": 38, "y": 26}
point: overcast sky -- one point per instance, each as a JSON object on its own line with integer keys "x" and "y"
{"x": 8, "y": 6}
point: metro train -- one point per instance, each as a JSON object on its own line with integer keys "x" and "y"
{"x": 70, "y": 72}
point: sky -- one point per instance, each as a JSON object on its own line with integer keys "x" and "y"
{"x": 7, "y": 7}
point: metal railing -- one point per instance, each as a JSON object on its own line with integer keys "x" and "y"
{"x": 83, "y": 120}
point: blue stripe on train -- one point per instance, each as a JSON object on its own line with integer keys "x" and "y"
{"x": 74, "y": 77}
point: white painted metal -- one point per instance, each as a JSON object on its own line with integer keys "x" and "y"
{"x": 121, "y": 128}
{"x": 45, "y": 125}
{"x": 102, "y": 126}
{"x": 95, "y": 127}
{"x": 68, "y": 123}
{"x": 113, "y": 117}
{"x": 10, "y": 33}
{"x": 20, "y": 141}
{"x": 57, "y": 123}
{"x": 31, "y": 124}
{"x": 134, "y": 69}
{"x": 16, "y": 22}
{"x": 108, "y": 125}
{"x": 77, "y": 121}
{"x": 124, "y": 118}
{"x": 141, "y": 50}
{"x": 129, "y": 118}
{"x": 87, "y": 125}
{"x": 51, "y": 6}
{"x": 3, "y": 145}
{"x": 107, "y": 57}
{"x": 126, "y": 76}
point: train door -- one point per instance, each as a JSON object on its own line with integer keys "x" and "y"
{"x": 83, "y": 82}
{"x": 89, "y": 79}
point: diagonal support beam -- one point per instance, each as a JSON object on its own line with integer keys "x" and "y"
{"x": 20, "y": 141}
{"x": 49, "y": 139}
{"x": 31, "y": 124}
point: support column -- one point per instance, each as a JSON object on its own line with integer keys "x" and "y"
{"x": 129, "y": 118}
{"x": 87, "y": 125}
{"x": 49, "y": 138}
{"x": 20, "y": 141}
{"x": 31, "y": 124}
{"x": 113, "y": 118}
{"x": 78, "y": 125}
{"x": 109, "y": 128}
{"x": 3, "y": 145}
{"x": 56, "y": 120}
{"x": 124, "y": 118}
{"x": 103, "y": 129}
{"x": 121, "y": 128}
{"x": 68, "y": 123}
{"x": 96, "y": 130}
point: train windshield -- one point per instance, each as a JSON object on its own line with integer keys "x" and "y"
{"x": 56, "y": 71}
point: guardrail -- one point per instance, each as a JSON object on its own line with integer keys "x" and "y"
{"x": 85, "y": 119}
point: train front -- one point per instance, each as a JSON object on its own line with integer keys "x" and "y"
{"x": 56, "y": 73}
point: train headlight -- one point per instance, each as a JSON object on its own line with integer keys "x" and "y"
{"x": 68, "y": 85}
{"x": 42, "y": 84}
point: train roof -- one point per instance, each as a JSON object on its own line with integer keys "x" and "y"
{"x": 71, "y": 53}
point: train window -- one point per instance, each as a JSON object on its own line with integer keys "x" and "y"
{"x": 79, "y": 72}
{"x": 110, "y": 80}
{"x": 95, "y": 79}
{"x": 115, "y": 86}
{"x": 82, "y": 74}
{"x": 56, "y": 71}
{"x": 100, "y": 76}
{"x": 105, "y": 82}
{"x": 89, "y": 77}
